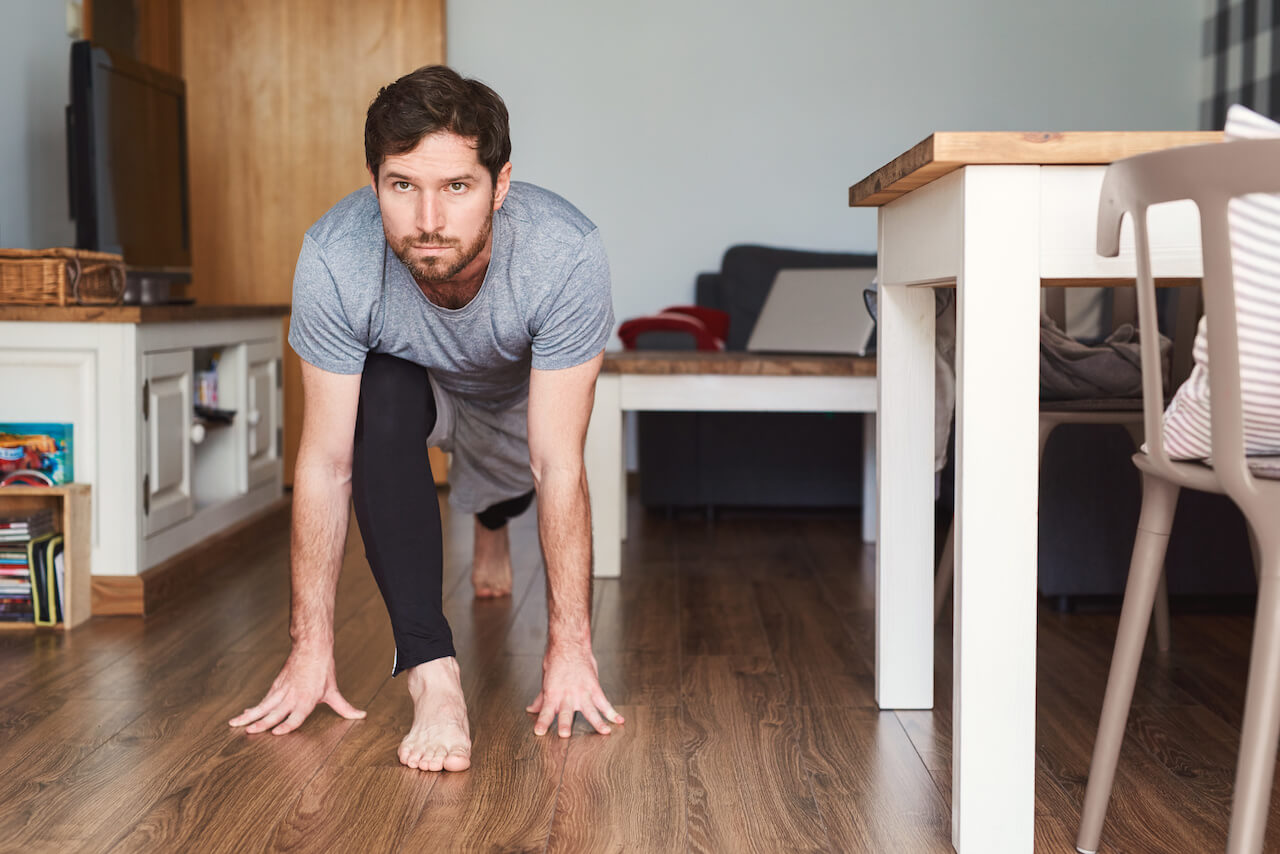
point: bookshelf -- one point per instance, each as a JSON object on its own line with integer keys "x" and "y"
{"x": 70, "y": 504}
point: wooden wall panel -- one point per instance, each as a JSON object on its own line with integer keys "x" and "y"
{"x": 150, "y": 31}
{"x": 277, "y": 92}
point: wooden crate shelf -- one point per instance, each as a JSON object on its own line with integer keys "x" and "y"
{"x": 71, "y": 513}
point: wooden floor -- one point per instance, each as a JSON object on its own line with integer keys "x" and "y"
{"x": 740, "y": 653}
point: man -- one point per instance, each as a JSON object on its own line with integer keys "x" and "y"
{"x": 443, "y": 305}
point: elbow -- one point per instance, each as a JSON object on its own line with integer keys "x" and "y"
{"x": 323, "y": 469}
{"x": 557, "y": 472}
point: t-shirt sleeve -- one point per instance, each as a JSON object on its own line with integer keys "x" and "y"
{"x": 319, "y": 331}
{"x": 578, "y": 319}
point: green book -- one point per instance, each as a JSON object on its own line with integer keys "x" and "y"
{"x": 42, "y": 592}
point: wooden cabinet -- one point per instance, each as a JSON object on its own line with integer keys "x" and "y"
{"x": 262, "y": 412}
{"x": 164, "y": 478}
{"x": 165, "y": 426}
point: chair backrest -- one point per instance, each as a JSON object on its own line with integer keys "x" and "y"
{"x": 1210, "y": 176}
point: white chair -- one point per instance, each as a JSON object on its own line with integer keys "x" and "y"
{"x": 1210, "y": 175}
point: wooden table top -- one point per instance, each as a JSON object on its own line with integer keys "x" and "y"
{"x": 137, "y": 313}
{"x": 674, "y": 362}
{"x": 942, "y": 153}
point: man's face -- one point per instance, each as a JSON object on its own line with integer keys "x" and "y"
{"x": 437, "y": 203}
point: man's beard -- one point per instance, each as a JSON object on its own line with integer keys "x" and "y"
{"x": 433, "y": 270}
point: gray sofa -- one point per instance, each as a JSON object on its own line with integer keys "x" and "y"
{"x": 750, "y": 459}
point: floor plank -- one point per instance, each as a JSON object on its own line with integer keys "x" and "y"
{"x": 817, "y": 660}
{"x": 636, "y": 776}
{"x": 872, "y": 790}
{"x": 747, "y": 786}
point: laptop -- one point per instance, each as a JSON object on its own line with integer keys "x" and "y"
{"x": 815, "y": 311}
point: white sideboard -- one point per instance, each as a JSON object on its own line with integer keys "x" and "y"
{"x": 126, "y": 377}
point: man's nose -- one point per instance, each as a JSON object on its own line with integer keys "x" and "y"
{"x": 430, "y": 215}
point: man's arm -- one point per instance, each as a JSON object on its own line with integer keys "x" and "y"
{"x": 321, "y": 497}
{"x": 559, "y": 410}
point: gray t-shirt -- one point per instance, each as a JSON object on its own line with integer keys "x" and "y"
{"x": 545, "y": 302}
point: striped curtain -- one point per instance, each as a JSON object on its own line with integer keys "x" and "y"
{"x": 1241, "y": 56}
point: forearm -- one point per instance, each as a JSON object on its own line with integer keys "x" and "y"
{"x": 321, "y": 501}
{"x": 564, "y": 523}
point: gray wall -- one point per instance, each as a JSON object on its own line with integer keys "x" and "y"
{"x": 34, "y": 56}
{"x": 684, "y": 126}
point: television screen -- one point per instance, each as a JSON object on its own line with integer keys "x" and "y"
{"x": 126, "y": 129}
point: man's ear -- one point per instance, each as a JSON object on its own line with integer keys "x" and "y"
{"x": 502, "y": 186}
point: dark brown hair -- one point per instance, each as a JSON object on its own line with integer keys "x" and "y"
{"x": 432, "y": 99}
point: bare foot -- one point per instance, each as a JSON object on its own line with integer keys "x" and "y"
{"x": 491, "y": 563}
{"x": 440, "y": 739}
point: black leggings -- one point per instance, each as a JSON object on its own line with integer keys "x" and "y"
{"x": 397, "y": 509}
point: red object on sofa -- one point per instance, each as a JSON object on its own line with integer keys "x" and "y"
{"x": 707, "y": 326}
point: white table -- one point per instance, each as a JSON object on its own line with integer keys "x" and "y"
{"x": 996, "y": 216}
{"x": 691, "y": 381}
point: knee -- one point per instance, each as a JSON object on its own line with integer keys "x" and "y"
{"x": 396, "y": 395}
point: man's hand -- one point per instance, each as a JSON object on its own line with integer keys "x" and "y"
{"x": 571, "y": 683}
{"x": 307, "y": 678}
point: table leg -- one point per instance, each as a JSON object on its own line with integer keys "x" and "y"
{"x": 994, "y": 677}
{"x": 869, "y": 521}
{"x": 606, "y": 482}
{"x": 904, "y": 449}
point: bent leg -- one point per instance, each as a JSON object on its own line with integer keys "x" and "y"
{"x": 397, "y": 508}
{"x": 399, "y": 517}
{"x": 491, "y": 560}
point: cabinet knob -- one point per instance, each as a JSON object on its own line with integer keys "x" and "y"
{"x": 254, "y": 417}
{"x": 197, "y": 433}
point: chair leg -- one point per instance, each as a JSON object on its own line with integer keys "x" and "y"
{"x": 1257, "y": 552}
{"x": 1159, "y": 500}
{"x": 1163, "y": 634}
{"x": 1163, "y": 631}
{"x": 946, "y": 572}
{"x": 1255, "y": 768}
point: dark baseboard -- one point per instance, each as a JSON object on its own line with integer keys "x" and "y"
{"x": 141, "y": 595}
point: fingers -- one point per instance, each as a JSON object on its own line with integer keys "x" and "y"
{"x": 593, "y": 717}
{"x": 535, "y": 706}
{"x": 545, "y": 717}
{"x": 269, "y": 720}
{"x": 566, "y": 720}
{"x": 252, "y": 714}
{"x": 291, "y": 723}
{"x": 339, "y": 704}
{"x": 602, "y": 703}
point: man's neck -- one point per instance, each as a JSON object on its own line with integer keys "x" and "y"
{"x": 456, "y": 293}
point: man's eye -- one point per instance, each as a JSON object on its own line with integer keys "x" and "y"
{"x": 403, "y": 186}
{"x": 457, "y": 187}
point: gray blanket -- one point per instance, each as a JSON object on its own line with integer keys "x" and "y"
{"x": 1070, "y": 370}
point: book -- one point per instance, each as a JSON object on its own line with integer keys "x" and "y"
{"x": 53, "y": 584}
{"x": 59, "y": 574}
{"x": 41, "y": 594}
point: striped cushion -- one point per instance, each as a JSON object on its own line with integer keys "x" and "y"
{"x": 1254, "y": 222}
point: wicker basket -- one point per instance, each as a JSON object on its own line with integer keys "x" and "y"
{"x": 60, "y": 277}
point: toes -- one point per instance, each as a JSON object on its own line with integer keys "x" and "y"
{"x": 411, "y": 755}
{"x": 458, "y": 759}
{"x": 435, "y": 760}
